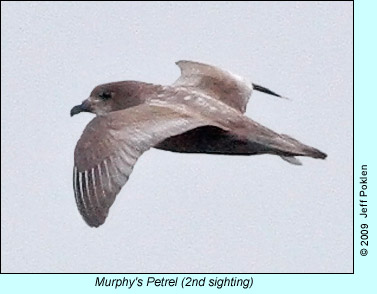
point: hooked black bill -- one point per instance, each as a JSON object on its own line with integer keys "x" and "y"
{"x": 79, "y": 108}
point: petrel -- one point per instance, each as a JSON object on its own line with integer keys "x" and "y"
{"x": 202, "y": 112}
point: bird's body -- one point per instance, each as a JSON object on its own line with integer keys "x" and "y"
{"x": 202, "y": 112}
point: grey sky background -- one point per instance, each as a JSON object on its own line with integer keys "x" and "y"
{"x": 178, "y": 212}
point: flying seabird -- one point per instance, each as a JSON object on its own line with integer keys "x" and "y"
{"x": 202, "y": 112}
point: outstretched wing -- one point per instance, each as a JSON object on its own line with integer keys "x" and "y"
{"x": 110, "y": 146}
{"x": 215, "y": 82}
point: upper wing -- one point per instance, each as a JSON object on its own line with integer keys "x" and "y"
{"x": 110, "y": 146}
{"x": 215, "y": 82}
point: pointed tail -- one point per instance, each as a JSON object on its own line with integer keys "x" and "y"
{"x": 305, "y": 149}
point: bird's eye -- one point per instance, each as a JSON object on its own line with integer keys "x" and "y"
{"x": 105, "y": 95}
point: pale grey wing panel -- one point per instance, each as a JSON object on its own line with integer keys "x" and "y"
{"x": 215, "y": 82}
{"x": 109, "y": 148}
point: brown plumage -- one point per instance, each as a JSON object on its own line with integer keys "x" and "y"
{"x": 202, "y": 112}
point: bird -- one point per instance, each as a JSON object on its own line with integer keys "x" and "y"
{"x": 203, "y": 111}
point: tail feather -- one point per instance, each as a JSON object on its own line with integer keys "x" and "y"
{"x": 306, "y": 150}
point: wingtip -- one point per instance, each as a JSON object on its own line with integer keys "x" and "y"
{"x": 262, "y": 89}
{"x": 94, "y": 221}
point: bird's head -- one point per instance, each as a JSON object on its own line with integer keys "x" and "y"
{"x": 112, "y": 97}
